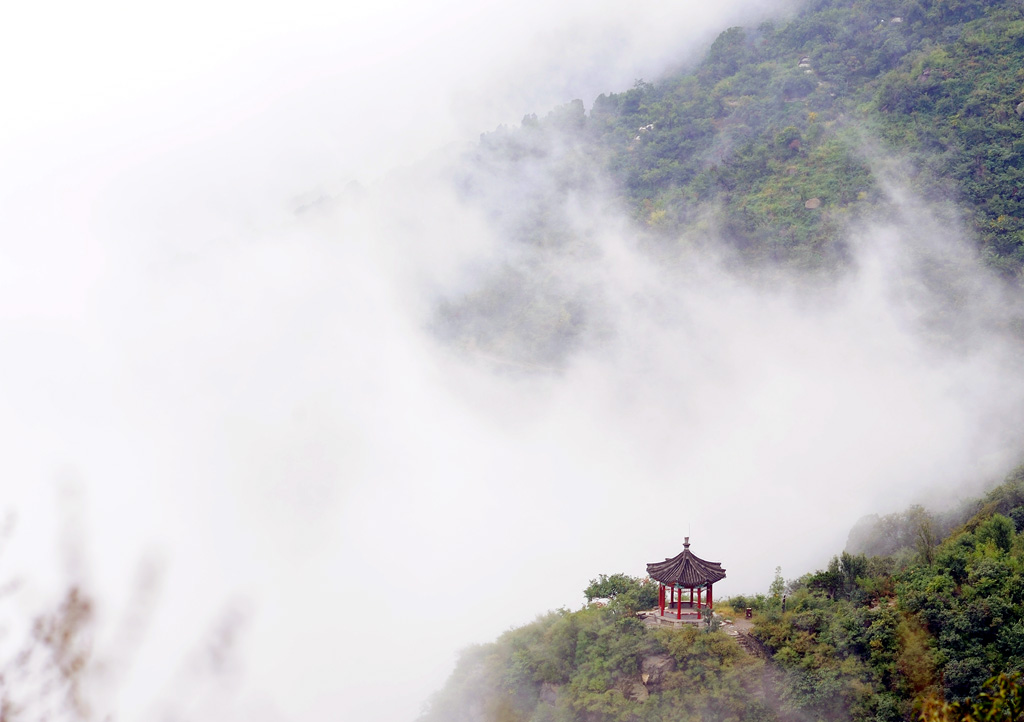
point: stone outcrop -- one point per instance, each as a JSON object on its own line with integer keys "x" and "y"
{"x": 548, "y": 693}
{"x": 638, "y": 692}
{"x": 654, "y": 667}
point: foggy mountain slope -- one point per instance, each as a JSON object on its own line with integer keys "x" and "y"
{"x": 409, "y": 414}
{"x": 758, "y": 238}
{"x": 784, "y": 140}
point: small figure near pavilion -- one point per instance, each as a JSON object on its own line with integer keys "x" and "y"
{"x": 684, "y": 571}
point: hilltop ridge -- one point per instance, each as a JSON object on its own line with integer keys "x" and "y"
{"x": 868, "y": 638}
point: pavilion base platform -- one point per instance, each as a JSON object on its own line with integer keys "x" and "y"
{"x": 675, "y": 618}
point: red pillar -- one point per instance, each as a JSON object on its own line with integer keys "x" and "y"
{"x": 661, "y": 598}
{"x": 679, "y": 606}
{"x": 709, "y": 596}
{"x": 698, "y": 604}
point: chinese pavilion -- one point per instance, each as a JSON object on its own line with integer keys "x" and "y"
{"x": 684, "y": 571}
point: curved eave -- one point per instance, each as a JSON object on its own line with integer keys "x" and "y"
{"x": 686, "y": 570}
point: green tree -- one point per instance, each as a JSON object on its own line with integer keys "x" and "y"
{"x": 626, "y": 594}
{"x": 777, "y": 588}
{"x": 1001, "y": 700}
{"x": 999, "y": 530}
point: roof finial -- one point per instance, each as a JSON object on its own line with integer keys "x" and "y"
{"x": 686, "y": 542}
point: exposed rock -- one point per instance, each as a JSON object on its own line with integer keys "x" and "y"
{"x": 638, "y": 692}
{"x": 813, "y": 203}
{"x": 548, "y": 693}
{"x": 654, "y": 667}
{"x": 1020, "y": 110}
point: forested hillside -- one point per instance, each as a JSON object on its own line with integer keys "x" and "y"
{"x": 772, "y": 150}
{"x": 869, "y": 638}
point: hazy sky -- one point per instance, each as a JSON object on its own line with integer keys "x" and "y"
{"x": 201, "y": 382}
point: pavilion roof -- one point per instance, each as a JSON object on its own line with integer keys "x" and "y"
{"x": 686, "y": 569}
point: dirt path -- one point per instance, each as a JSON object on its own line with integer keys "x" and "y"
{"x": 739, "y": 625}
